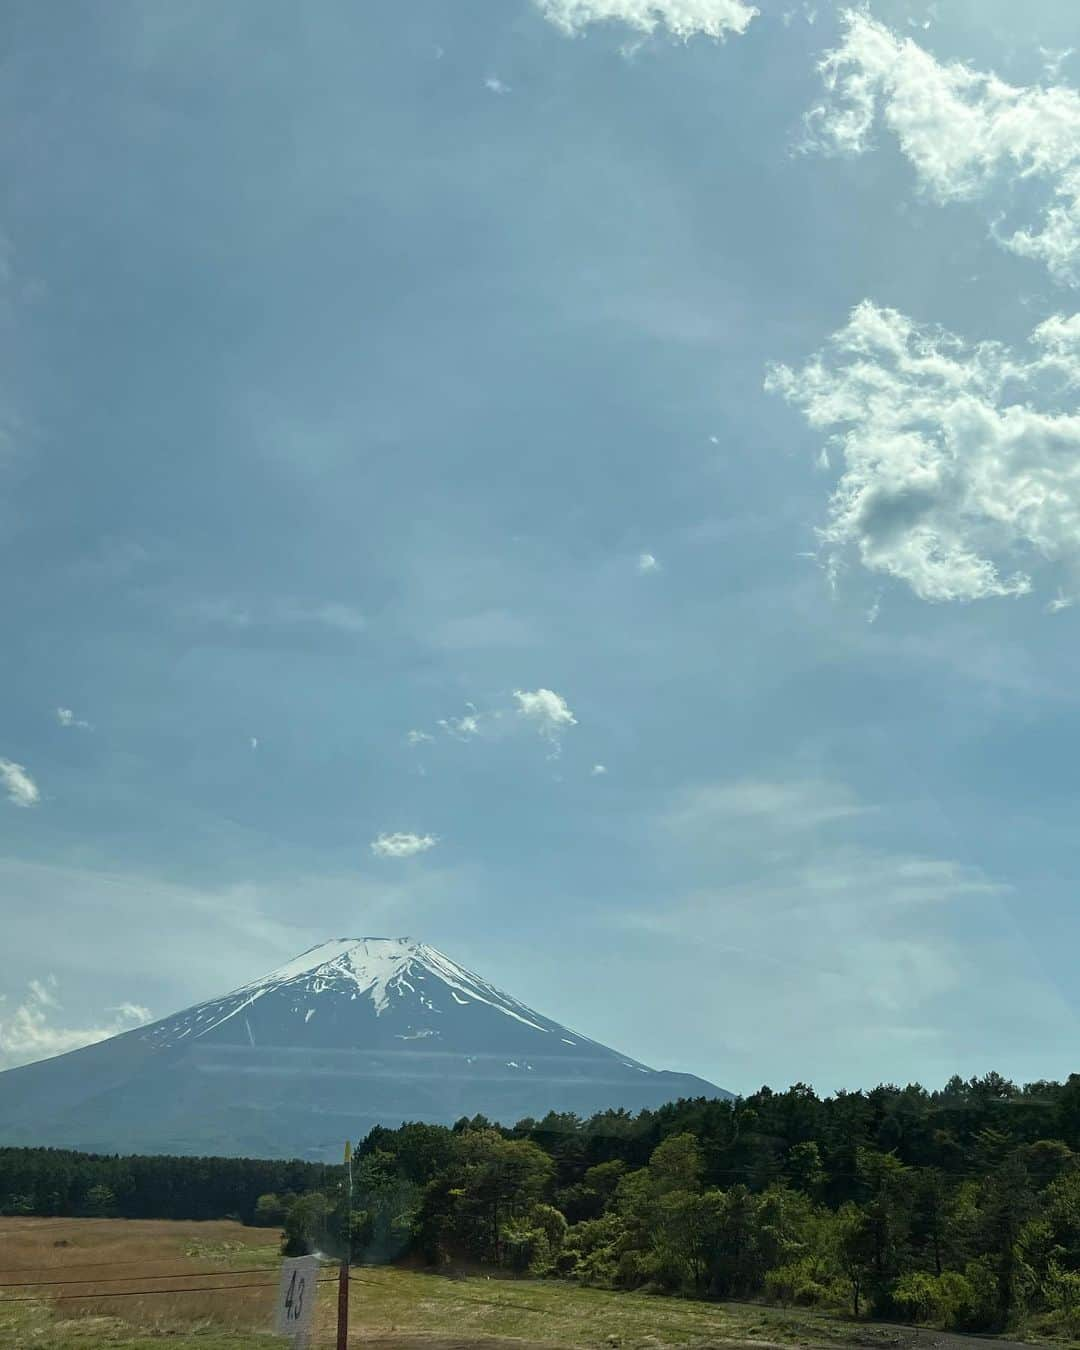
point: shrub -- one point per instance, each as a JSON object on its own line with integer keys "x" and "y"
{"x": 807, "y": 1282}
{"x": 945, "y": 1300}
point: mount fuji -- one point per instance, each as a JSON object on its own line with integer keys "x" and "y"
{"x": 355, "y": 1032}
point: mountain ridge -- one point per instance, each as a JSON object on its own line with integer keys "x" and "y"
{"x": 351, "y": 1033}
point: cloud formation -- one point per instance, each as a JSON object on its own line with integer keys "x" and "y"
{"x": 548, "y": 712}
{"x": 682, "y": 18}
{"x": 402, "y": 844}
{"x": 20, "y": 787}
{"x": 67, "y": 718}
{"x": 462, "y": 728}
{"x": 953, "y": 480}
{"x": 962, "y": 130}
{"x": 647, "y": 563}
{"x": 30, "y": 1032}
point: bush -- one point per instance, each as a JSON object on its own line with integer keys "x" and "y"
{"x": 946, "y": 1301}
{"x": 269, "y": 1211}
{"x": 806, "y": 1282}
{"x": 592, "y": 1250}
{"x": 635, "y": 1268}
{"x": 1062, "y": 1290}
{"x": 982, "y": 1279}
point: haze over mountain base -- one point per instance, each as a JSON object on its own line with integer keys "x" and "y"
{"x": 352, "y": 1034}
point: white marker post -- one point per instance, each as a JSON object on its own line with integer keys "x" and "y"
{"x": 346, "y": 1258}
{"x": 296, "y": 1299}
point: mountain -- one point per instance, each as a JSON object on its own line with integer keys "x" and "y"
{"x": 353, "y": 1033}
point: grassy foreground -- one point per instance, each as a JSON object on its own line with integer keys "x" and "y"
{"x": 390, "y": 1307}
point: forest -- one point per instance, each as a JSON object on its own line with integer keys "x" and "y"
{"x": 957, "y": 1208}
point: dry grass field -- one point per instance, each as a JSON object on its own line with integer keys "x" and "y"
{"x": 131, "y": 1285}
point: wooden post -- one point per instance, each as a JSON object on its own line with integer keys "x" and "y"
{"x": 343, "y": 1271}
{"x": 343, "y": 1305}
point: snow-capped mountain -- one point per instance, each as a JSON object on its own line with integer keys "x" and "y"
{"x": 353, "y": 1033}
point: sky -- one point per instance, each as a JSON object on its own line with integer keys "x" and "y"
{"x": 593, "y": 485}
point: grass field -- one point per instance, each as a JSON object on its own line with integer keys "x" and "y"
{"x": 155, "y": 1264}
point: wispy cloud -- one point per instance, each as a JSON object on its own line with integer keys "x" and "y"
{"x": 647, "y": 563}
{"x": 795, "y": 881}
{"x": 682, "y": 18}
{"x": 947, "y": 475}
{"x": 598, "y": 770}
{"x": 402, "y": 844}
{"x": 232, "y": 612}
{"x": 962, "y": 130}
{"x": 465, "y": 727}
{"x": 795, "y": 806}
{"x": 415, "y": 737}
{"x": 495, "y": 86}
{"x": 327, "y": 613}
{"x": 67, "y": 718}
{"x": 20, "y": 787}
{"x": 30, "y": 1031}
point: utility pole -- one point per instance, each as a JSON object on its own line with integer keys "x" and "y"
{"x": 343, "y": 1272}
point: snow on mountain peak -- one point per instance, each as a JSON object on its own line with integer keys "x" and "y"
{"x": 377, "y": 966}
{"x": 369, "y": 953}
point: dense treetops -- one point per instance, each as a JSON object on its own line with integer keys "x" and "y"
{"x": 959, "y": 1207}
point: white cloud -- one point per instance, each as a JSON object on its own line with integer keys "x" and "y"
{"x": 29, "y": 1032}
{"x": 254, "y": 742}
{"x": 465, "y": 727}
{"x": 547, "y": 711}
{"x": 495, "y": 85}
{"x": 415, "y": 737}
{"x": 682, "y": 18}
{"x": 67, "y": 718}
{"x": 20, "y": 787}
{"x": 402, "y": 845}
{"x": 598, "y": 770}
{"x": 1054, "y": 59}
{"x": 951, "y": 475}
{"x": 647, "y": 563}
{"x": 961, "y": 129}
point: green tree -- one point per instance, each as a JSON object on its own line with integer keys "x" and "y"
{"x": 805, "y": 1170}
{"x": 269, "y": 1211}
{"x": 854, "y": 1245}
{"x": 500, "y": 1180}
{"x": 100, "y": 1202}
{"x": 676, "y": 1165}
{"x": 1007, "y": 1202}
{"x": 307, "y": 1225}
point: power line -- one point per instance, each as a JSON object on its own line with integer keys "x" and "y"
{"x": 163, "y": 1275}
{"x": 104, "y": 1295}
{"x": 102, "y": 1265}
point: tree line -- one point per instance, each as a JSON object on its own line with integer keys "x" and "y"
{"x": 958, "y": 1208}
{"x": 52, "y": 1181}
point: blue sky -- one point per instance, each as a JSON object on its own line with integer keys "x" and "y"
{"x": 665, "y": 412}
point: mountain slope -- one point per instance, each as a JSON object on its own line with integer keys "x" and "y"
{"x": 353, "y": 1033}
